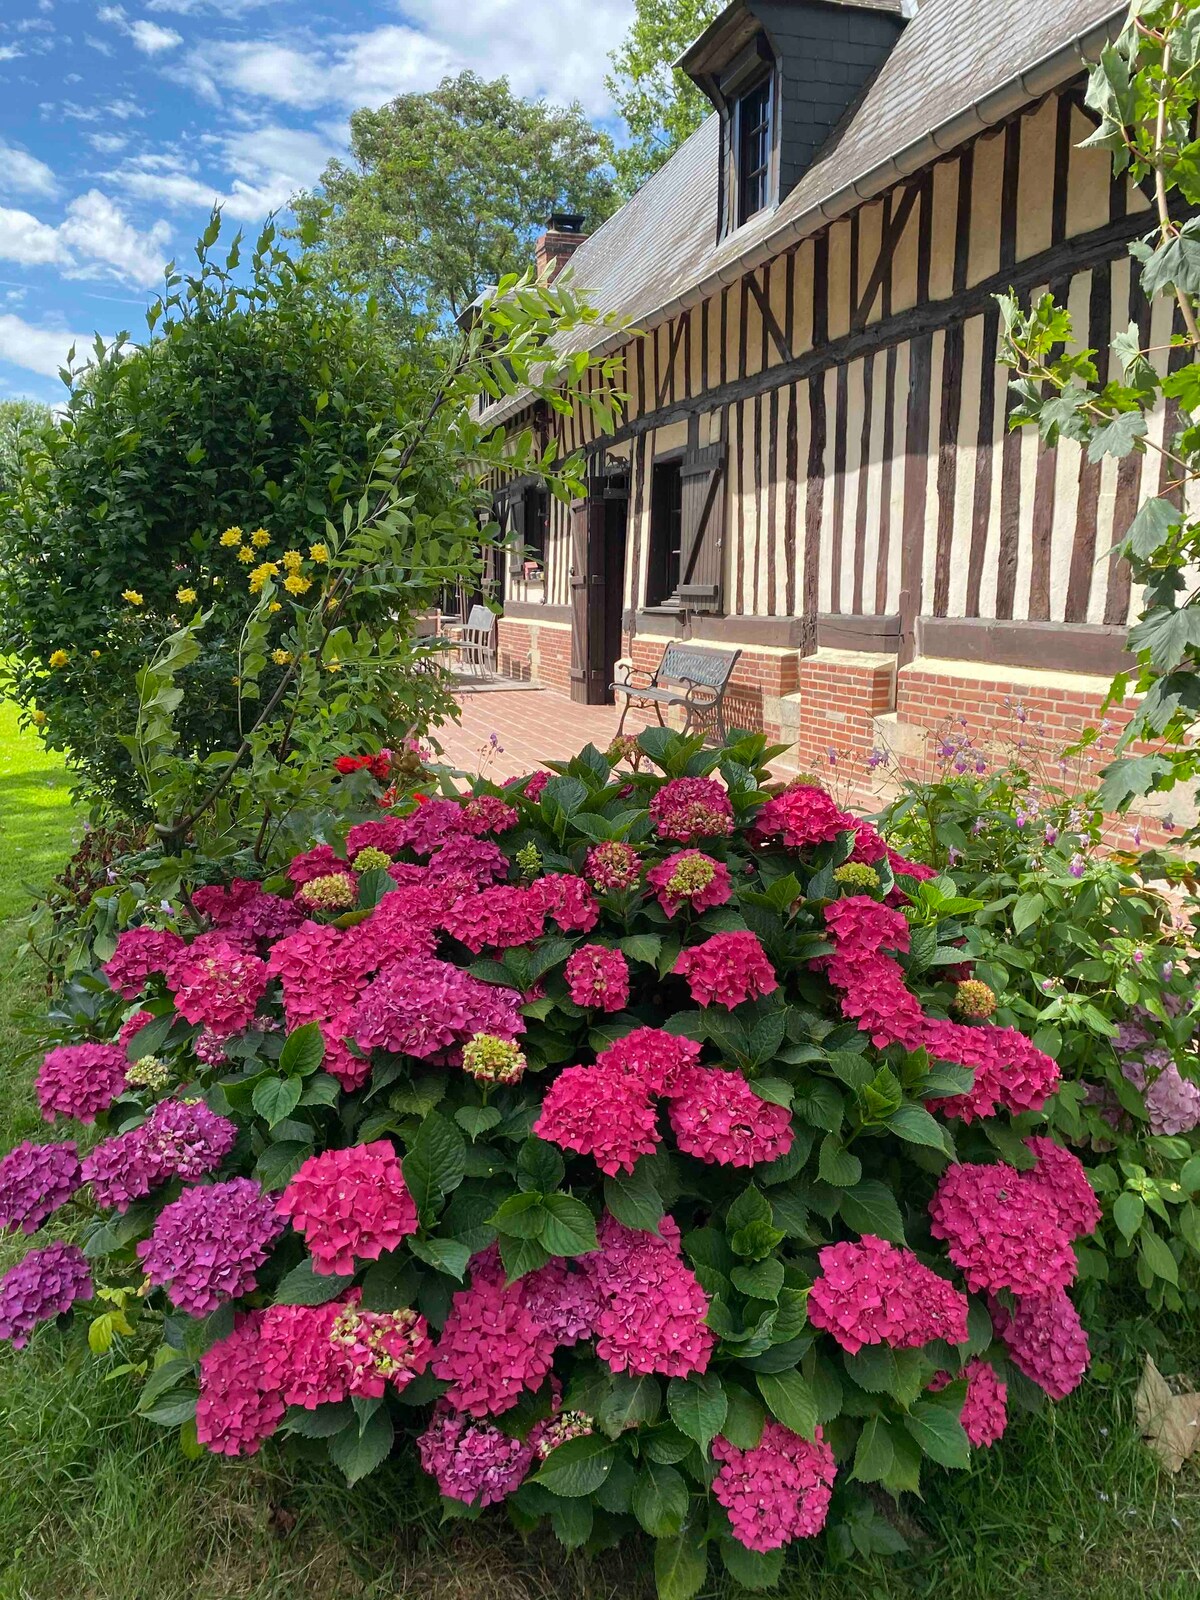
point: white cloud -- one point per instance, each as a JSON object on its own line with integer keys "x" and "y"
{"x": 23, "y": 238}
{"x": 151, "y": 39}
{"x": 41, "y": 350}
{"x": 94, "y": 239}
{"x": 262, "y": 168}
{"x": 107, "y": 144}
{"x": 10, "y": 52}
{"x": 114, "y": 14}
{"x": 21, "y": 173}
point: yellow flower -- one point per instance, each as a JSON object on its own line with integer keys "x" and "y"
{"x": 39, "y": 719}
{"x": 293, "y": 560}
{"x": 186, "y": 597}
{"x": 275, "y": 606}
{"x": 236, "y": 681}
{"x": 295, "y": 584}
{"x": 230, "y": 537}
{"x": 59, "y": 658}
{"x": 95, "y": 655}
{"x": 281, "y": 657}
{"x": 318, "y": 552}
{"x": 246, "y": 554}
{"x": 333, "y": 666}
{"x": 132, "y": 596}
{"x": 259, "y": 576}
{"x": 261, "y": 538}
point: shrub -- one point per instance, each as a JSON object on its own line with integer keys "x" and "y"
{"x": 1081, "y": 951}
{"x": 618, "y": 1143}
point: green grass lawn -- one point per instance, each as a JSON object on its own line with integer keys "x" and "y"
{"x": 96, "y": 1507}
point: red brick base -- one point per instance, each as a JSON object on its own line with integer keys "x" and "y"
{"x": 538, "y": 652}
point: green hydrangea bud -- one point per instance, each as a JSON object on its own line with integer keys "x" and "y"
{"x": 371, "y": 860}
{"x": 529, "y": 861}
{"x": 857, "y": 877}
{"x": 974, "y": 999}
{"x": 334, "y": 892}
{"x": 151, "y": 1072}
{"x": 489, "y": 1059}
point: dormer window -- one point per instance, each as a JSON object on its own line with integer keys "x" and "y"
{"x": 752, "y": 139}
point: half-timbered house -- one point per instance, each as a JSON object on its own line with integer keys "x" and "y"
{"x": 814, "y": 466}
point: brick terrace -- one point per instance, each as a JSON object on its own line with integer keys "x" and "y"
{"x": 531, "y": 727}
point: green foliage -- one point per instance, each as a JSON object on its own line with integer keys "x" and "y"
{"x": 1144, "y": 92}
{"x": 1086, "y": 956}
{"x": 660, "y": 105}
{"x": 22, "y": 424}
{"x": 447, "y": 190}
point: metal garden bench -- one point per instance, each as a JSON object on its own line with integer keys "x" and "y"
{"x": 687, "y": 676}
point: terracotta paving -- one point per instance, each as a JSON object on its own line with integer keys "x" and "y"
{"x": 507, "y": 732}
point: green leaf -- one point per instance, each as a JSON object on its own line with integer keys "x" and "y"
{"x": 322, "y": 1423}
{"x": 276, "y": 1098}
{"x": 660, "y": 1500}
{"x": 874, "y": 1456}
{"x": 474, "y": 1120}
{"x": 631, "y": 1401}
{"x": 644, "y": 947}
{"x": 446, "y": 1255}
{"x": 744, "y": 1419}
{"x": 870, "y": 1207}
{"x": 522, "y": 1216}
{"x": 572, "y": 1522}
{"x": 539, "y": 1166}
{"x": 303, "y": 1051}
{"x": 1128, "y": 1211}
{"x": 359, "y": 1451}
{"x": 1156, "y": 1253}
{"x": 632, "y": 1198}
{"x": 304, "y": 1287}
{"x": 749, "y": 1206}
{"x": 755, "y": 1570}
{"x": 570, "y": 1228}
{"x": 837, "y": 1165}
{"x": 879, "y": 1369}
{"x": 790, "y": 1400}
{"x": 939, "y": 1433}
{"x": 280, "y": 1162}
{"x": 435, "y": 1163}
{"x": 915, "y": 1125}
{"x": 521, "y": 1256}
{"x": 1151, "y": 527}
{"x": 1030, "y": 907}
{"x": 578, "y": 1467}
{"x": 697, "y": 1406}
{"x": 680, "y": 1564}
{"x": 762, "y": 1281}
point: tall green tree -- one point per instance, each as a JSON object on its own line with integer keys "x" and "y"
{"x": 21, "y": 424}
{"x": 445, "y": 192}
{"x": 659, "y": 105}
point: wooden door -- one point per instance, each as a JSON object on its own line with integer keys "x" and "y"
{"x": 587, "y": 601}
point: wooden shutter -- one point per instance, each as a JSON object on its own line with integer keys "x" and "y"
{"x": 587, "y": 602}
{"x": 702, "y": 547}
{"x": 515, "y": 531}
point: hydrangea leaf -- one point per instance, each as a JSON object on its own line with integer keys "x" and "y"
{"x": 632, "y": 1198}
{"x": 755, "y": 1570}
{"x": 744, "y": 1418}
{"x": 303, "y": 1050}
{"x": 870, "y": 1207}
{"x": 304, "y": 1287}
{"x": 572, "y": 1522}
{"x": 276, "y": 1098}
{"x": 578, "y": 1467}
{"x": 358, "y": 1451}
{"x": 790, "y": 1400}
{"x": 697, "y": 1406}
{"x": 632, "y": 1400}
{"x": 570, "y": 1228}
{"x": 680, "y": 1566}
{"x": 939, "y": 1433}
{"x": 660, "y": 1499}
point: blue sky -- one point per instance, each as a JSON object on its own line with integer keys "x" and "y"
{"x": 120, "y": 124}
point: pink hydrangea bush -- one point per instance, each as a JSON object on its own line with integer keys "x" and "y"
{"x": 565, "y": 1129}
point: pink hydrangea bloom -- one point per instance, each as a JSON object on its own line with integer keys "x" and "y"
{"x": 1173, "y": 1102}
{"x": 653, "y": 1310}
{"x": 872, "y": 1292}
{"x": 217, "y": 984}
{"x": 776, "y": 1492}
{"x": 487, "y": 813}
{"x": 390, "y": 834}
{"x": 691, "y": 808}
{"x": 727, "y": 969}
{"x": 601, "y": 1115}
{"x": 473, "y": 1461}
{"x": 35, "y": 1180}
{"x": 1046, "y": 1340}
{"x": 80, "y": 1080}
{"x": 1001, "y": 1233}
{"x": 208, "y": 1245}
{"x": 532, "y": 783}
{"x": 478, "y": 862}
{"x": 984, "y": 1414}
{"x": 141, "y": 953}
{"x": 802, "y": 815}
{"x": 613, "y": 865}
{"x": 562, "y": 1301}
{"x": 870, "y": 846}
{"x": 1061, "y": 1180}
{"x": 492, "y": 1348}
{"x": 650, "y": 1058}
{"x": 904, "y": 868}
{"x": 44, "y": 1284}
{"x": 496, "y": 918}
{"x": 567, "y": 901}
{"x": 431, "y": 1009}
{"x": 1010, "y": 1071}
{"x": 861, "y": 927}
{"x": 300, "y": 1357}
{"x": 690, "y": 878}
{"x": 350, "y": 1205}
{"x": 717, "y": 1116}
{"x": 221, "y": 902}
{"x": 179, "y": 1139}
{"x": 239, "y": 1405}
{"x": 598, "y": 977}
{"x": 263, "y": 920}
{"x": 133, "y": 1025}
{"x": 429, "y": 826}
{"x": 319, "y": 862}
{"x": 375, "y": 1348}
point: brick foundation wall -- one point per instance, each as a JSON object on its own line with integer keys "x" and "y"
{"x": 538, "y": 652}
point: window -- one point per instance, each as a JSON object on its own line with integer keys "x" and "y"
{"x": 666, "y": 531}
{"x": 537, "y": 521}
{"x": 752, "y": 136}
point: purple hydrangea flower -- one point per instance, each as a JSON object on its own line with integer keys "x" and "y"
{"x": 45, "y": 1284}
{"x": 179, "y": 1139}
{"x": 35, "y": 1179}
{"x": 208, "y": 1245}
{"x": 79, "y": 1080}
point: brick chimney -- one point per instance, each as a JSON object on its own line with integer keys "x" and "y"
{"x": 559, "y": 243}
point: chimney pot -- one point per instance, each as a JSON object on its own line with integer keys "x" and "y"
{"x": 559, "y": 243}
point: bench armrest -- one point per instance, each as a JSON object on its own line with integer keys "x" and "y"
{"x": 649, "y": 680}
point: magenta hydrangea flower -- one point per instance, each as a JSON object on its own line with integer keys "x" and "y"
{"x": 561, "y": 1301}
{"x": 430, "y": 1009}
{"x": 319, "y": 862}
{"x": 133, "y": 1025}
{"x": 208, "y": 1245}
{"x": 873, "y": 1292}
{"x": 141, "y": 953}
{"x": 802, "y": 815}
{"x": 492, "y": 1348}
{"x": 1062, "y": 1181}
{"x": 239, "y": 1403}
{"x": 478, "y": 862}
{"x": 690, "y": 878}
{"x": 567, "y": 901}
{"x": 35, "y": 1180}
{"x": 779, "y": 1490}
{"x": 1001, "y": 1233}
{"x": 601, "y": 1115}
{"x": 300, "y": 1356}
{"x": 217, "y": 984}
{"x": 861, "y": 927}
{"x": 691, "y": 808}
{"x": 598, "y": 978}
{"x": 389, "y": 834}
{"x": 726, "y": 970}
{"x": 473, "y": 1461}
{"x": 80, "y": 1080}
{"x": 44, "y": 1284}
{"x": 375, "y": 1348}
{"x": 985, "y": 1410}
{"x": 1046, "y": 1340}
{"x": 220, "y": 902}
{"x": 497, "y": 918}
{"x": 650, "y": 1058}
{"x": 179, "y": 1139}
{"x": 717, "y": 1116}
{"x": 487, "y": 813}
{"x": 1172, "y": 1102}
{"x": 350, "y": 1205}
{"x": 652, "y": 1308}
{"x": 613, "y": 865}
